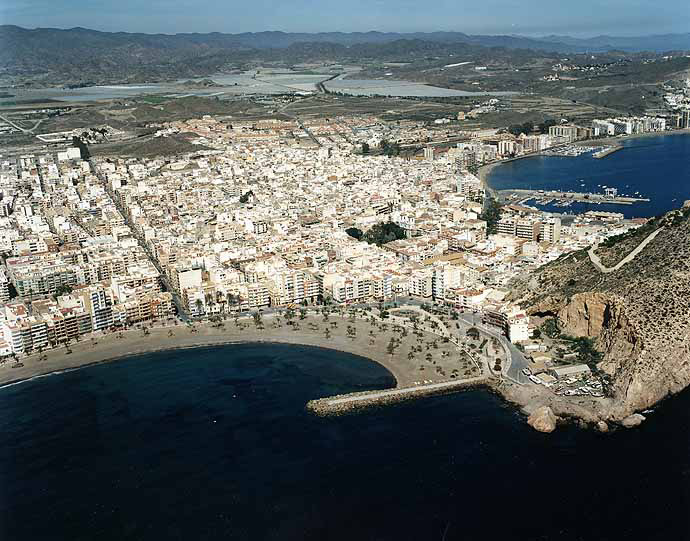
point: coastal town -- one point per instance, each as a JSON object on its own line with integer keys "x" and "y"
{"x": 354, "y": 270}
{"x": 274, "y": 216}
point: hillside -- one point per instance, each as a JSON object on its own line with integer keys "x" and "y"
{"x": 79, "y": 56}
{"x": 638, "y": 314}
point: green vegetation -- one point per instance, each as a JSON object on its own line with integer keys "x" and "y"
{"x": 582, "y": 345}
{"x": 153, "y": 100}
{"x": 526, "y": 128}
{"x": 355, "y": 233}
{"x": 83, "y": 149}
{"x": 550, "y": 328}
{"x": 62, "y": 290}
{"x": 390, "y": 149}
{"x": 491, "y": 215}
{"x": 245, "y": 196}
{"x": 642, "y": 231}
{"x": 472, "y": 333}
{"x": 529, "y": 127}
{"x": 383, "y": 233}
{"x": 379, "y": 234}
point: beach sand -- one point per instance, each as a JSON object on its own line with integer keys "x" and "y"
{"x": 129, "y": 343}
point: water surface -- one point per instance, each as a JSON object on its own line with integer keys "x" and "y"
{"x": 657, "y": 168}
{"x": 216, "y": 444}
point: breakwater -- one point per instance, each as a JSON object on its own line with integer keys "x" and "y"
{"x": 606, "y": 152}
{"x": 335, "y": 405}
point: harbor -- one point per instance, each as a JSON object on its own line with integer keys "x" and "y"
{"x": 565, "y": 198}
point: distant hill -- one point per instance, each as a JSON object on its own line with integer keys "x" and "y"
{"x": 79, "y": 55}
{"x": 657, "y": 43}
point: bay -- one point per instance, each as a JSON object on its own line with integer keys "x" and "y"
{"x": 656, "y": 167}
{"x": 216, "y": 443}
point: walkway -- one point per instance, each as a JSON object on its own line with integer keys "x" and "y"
{"x": 627, "y": 259}
{"x": 374, "y": 396}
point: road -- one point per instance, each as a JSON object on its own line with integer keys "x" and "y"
{"x": 17, "y": 126}
{"x": 627, "y": 259}
{"x": 516, "y": 361}
{"x": 181, "y": 313}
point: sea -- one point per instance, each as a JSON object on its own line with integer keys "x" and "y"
{"x": 657, "y": 168}
{"x": 216, "y": 444}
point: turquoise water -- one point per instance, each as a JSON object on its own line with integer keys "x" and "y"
{"x": 656, "y": 167}
{"x": 216, "y": 443}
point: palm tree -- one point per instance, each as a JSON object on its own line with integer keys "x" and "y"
{"x": 199, "y": 303}
{"x": 230, "y": 298}
{"x": 390, "y": 348}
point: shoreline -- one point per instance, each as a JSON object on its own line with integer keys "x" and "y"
{"x": 484, "y": 172}
{"x": 110, "y": 348}
{"x": 617, "y": 139}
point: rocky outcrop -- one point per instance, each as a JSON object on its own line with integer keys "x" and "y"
{"x": 631, "y": 421}
{"x": 637, "y": 315}
{"x": 543, "y": 419}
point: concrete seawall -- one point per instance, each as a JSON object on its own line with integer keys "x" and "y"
{"x": 607, "y": 152}
{"x": 335, "y": 405}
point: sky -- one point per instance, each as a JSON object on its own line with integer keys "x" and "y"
{"x": 527, "y": 17}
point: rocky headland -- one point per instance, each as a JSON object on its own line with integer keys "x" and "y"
{"x": 637, "y": 315}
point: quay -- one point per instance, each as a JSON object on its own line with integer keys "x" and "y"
{"x": 575, "y": 197}
{"x": 335, "y": 405}
{"x": 607, "y": 151}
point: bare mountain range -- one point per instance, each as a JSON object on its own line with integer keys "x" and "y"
{"x": 80, "y": 55}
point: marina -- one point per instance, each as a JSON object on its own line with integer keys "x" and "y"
{"x": 564, "y": 199}
{"x": 635, "y": 174}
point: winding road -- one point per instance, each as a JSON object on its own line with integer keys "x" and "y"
{"x": 627, "y": 259}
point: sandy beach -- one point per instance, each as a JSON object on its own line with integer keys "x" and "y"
{"x": 485, "y": 171}
{"x": 311, "y": 332}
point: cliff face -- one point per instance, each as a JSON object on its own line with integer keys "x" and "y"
{"x": 639, "y": 315}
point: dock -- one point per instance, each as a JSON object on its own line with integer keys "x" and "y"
{"x": 336, "y": 405}
{"x": 607, "y": 151}
{"x": 573, "y": 197}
